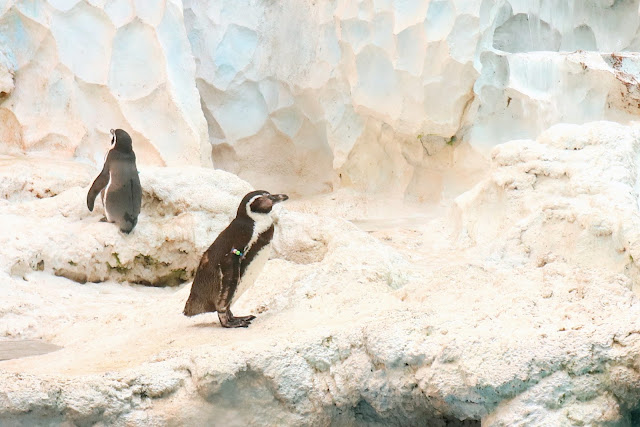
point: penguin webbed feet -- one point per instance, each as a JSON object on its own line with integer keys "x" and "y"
{"x": 228, "y": 320}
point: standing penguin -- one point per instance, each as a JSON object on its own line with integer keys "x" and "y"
{"x": 122, "y": 196}
{"x": 234, "y": 260}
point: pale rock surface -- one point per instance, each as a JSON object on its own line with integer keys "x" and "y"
{"x": 572, "y": 195}
{"x": 72, "y": 70}
{"x": 6, "y": 75}
{"x": 568, "y": 199}
{"x": 541, "y": 63}
{"x": 518, "y": 307}
{"x": 566, "y": 25}
{"x": 27, "y": 178}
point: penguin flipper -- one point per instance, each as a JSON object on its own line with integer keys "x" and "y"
{"x": 98, "y": 184}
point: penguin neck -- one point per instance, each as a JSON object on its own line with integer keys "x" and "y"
{"x": 261, "y": 223}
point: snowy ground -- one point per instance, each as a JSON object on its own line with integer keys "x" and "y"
{"x": 513, "y": 304}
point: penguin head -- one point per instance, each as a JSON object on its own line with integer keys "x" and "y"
{"x": 121, "y": 141}
{"x": 259, "y": 202}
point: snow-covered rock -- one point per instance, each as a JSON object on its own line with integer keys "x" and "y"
{"x": 572, "y": 195}
{"x": 183, "y": 210}
{"x": 23, "y": 178}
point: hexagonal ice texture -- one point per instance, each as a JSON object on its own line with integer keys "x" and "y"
{"x": 74, "y": 69}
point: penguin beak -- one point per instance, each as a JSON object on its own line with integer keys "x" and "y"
{"x": 275, "y": 198}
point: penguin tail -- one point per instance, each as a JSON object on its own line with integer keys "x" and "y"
{"x": 195, "y": 306}
{"x": 128, "y": 224}
{"x": 191, "y": 310}
{"x": 186, "y": 310}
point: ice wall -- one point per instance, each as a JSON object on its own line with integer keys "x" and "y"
{"x": 71, "y": 70}
{"x": 405, "y": 96}
{"x": 400, "y": 96}
{"x": 328, "y": 93}
{"x": 548, "y": 62}
{"x": 565, "y": 25}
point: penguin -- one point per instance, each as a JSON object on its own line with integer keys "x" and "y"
{"x": 234, "y": 260}
{"x": 119, "y": 184}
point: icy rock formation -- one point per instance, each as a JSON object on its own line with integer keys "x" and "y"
{"x": 6, "y": 75}
{"x": 183, "y": 211}
{"x": 80, "y": 68}
{"x": 568, "y": 202}
{"x": 567, "y": 25}
{"x": 570, "y": 195}
{"x": 528, "y": 79}
{"x": 520, "y": 95}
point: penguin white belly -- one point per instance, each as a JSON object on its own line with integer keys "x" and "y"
{"x": 104, "y": 199}
{"x": 253, "y": 270}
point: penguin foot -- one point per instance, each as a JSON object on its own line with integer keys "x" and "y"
{"x": 227, "y": 320}
{"x": 235, "y": 323}
{"x": 246, "y": 318}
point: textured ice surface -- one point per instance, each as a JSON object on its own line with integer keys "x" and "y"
{"x": 312, "y": 96}
{"x": 75, "y": 69}
{"x": 345, "y": 90}
{"x": 520, "y": 95}
{"x": 324, "y": 85}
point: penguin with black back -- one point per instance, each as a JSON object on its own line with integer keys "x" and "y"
{"x": 234, "y": 260}
{"x": 119, "y": 184}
